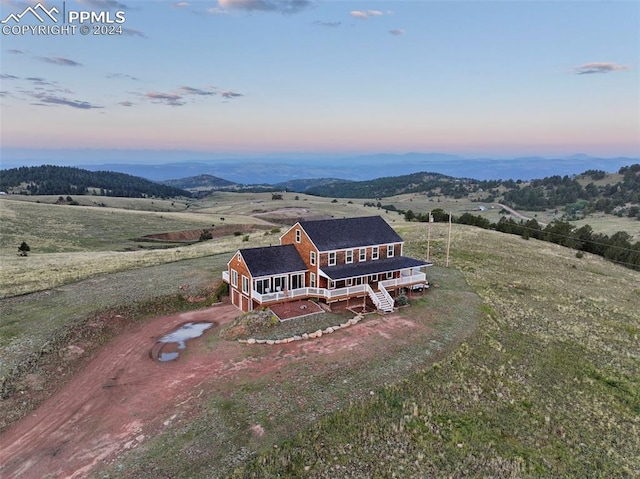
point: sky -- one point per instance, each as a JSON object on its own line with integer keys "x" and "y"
{"x": 267, "y": 77}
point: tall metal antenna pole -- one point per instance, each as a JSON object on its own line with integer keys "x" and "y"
{"x": 429, "y": 221}
{"x": 448, "y": 241}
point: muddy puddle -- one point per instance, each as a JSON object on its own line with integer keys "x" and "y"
{"x": 169, "y": 346}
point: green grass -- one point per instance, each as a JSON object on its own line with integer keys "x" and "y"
{"x": 545, "y": 385}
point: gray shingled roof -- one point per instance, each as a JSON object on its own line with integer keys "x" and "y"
{"x": 272, "y": 260}
{"x": 353, "y": 270}
{"x": 334, "y": 234}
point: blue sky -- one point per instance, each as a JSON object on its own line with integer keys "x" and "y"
{"x": 262, "y": 77}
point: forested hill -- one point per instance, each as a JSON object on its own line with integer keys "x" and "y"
{"x": 393, "y": 185}
{"x": 66, "y": 180}
{"x": 200, "y": 181}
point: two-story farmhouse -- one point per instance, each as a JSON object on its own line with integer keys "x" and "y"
{"x": 331, "y": 260}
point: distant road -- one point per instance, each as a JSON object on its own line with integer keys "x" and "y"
{"x": 513, "y": 212}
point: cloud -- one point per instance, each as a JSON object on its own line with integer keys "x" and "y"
{"x": 187, "y": 90}
{"x": 122, "y": 75}
{"x": 181, "y": 4}
{"x": 170, "y": 99}
{"x": 397, "y": 31}
{"x": 598, "y": 67}
{"x": 279, "y": 6}
{"x": 16, "y": 52}
{"x": 230, "y": 94}
{"x": 364, "y": 14}
{"x": 39, "y": 81}
{"x": 49, "y": 99}
{"x": 4, "y": 76}
{"x": 327, "y": 24}
{"x": 60, "y": 61}
{"x": 125, "y": 103}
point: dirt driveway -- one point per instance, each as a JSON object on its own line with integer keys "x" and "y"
{"x": 123, "y": 396}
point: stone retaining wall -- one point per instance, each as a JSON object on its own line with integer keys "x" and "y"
{"x": 314, "y": 335}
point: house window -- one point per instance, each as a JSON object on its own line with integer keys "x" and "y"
{"x": 348, "y": 256}
{"x": 332, "y": 284}
{"x": 262, "y": 285}
{"x": 332, "y": 259}
{"x": 234, "y": 278}
{"x": 374, "y": 252}
{"x": 245, "y": 284}
{"x": 373, "y": 278}
{"x": 297, "y": 281}
{"x": 312, "y": 258}
{"x": 389, "y": 251}
{"x": 298, "y": 236}
{"x": 363, "y": 255}
{"x": 312, "y": 280}
{"x": 390, "y": 275}
{"x": 349, "y": 281}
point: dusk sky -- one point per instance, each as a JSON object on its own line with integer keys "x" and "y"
{"x": 255, "y": 77}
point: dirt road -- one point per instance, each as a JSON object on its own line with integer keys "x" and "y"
{"x": 123, "y": 396}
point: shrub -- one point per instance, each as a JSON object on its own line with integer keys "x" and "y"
{"x": 402, "y": 300}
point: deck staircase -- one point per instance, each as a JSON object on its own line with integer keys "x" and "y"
{"x": 382, "y": 299}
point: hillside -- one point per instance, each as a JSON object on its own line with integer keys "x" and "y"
{"x": 66, "y": 180}
{"x": 203, "y": 181}
{"x": 593, "y": 190}
{"x": 548, "y": 341}
{"x": 304, "y": 185}
{"x": 395, "y": 185}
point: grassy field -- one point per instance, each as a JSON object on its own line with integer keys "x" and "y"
{"x": 548, "y": 385}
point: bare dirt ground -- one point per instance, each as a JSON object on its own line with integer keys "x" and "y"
{"x": 123, "y": 396}
{"x": 287, "y": 214}
{"x": 295, "y": 309}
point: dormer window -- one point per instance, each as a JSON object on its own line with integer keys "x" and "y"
{"x": 363, "y": 255}
{"x": 390, "y": 251}
{"x": 374, "y": 253}
{"x": 332, "y": 259}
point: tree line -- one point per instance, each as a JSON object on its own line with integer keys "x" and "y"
{"x": 556, "y": 191}
{"x": 618, "y": 247}
{"x": 66, "y": 180}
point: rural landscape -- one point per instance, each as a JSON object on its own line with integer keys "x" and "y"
{"x": 520, "y": 360}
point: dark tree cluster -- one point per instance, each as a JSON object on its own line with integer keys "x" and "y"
{"x": 618, "y": 247}
{"x": 556, "y": 191}
{"x": 66, "y": 180}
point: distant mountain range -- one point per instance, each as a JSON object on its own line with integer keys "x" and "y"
{"x": 162, "y": 165}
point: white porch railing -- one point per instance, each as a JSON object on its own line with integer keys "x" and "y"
{"x": 308, "y": 292}
{"x": 403, "y": 280}
{"x": 336, "y": 293}
{"x": 386, "y": 294}
{"x": 373, "y": 297}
